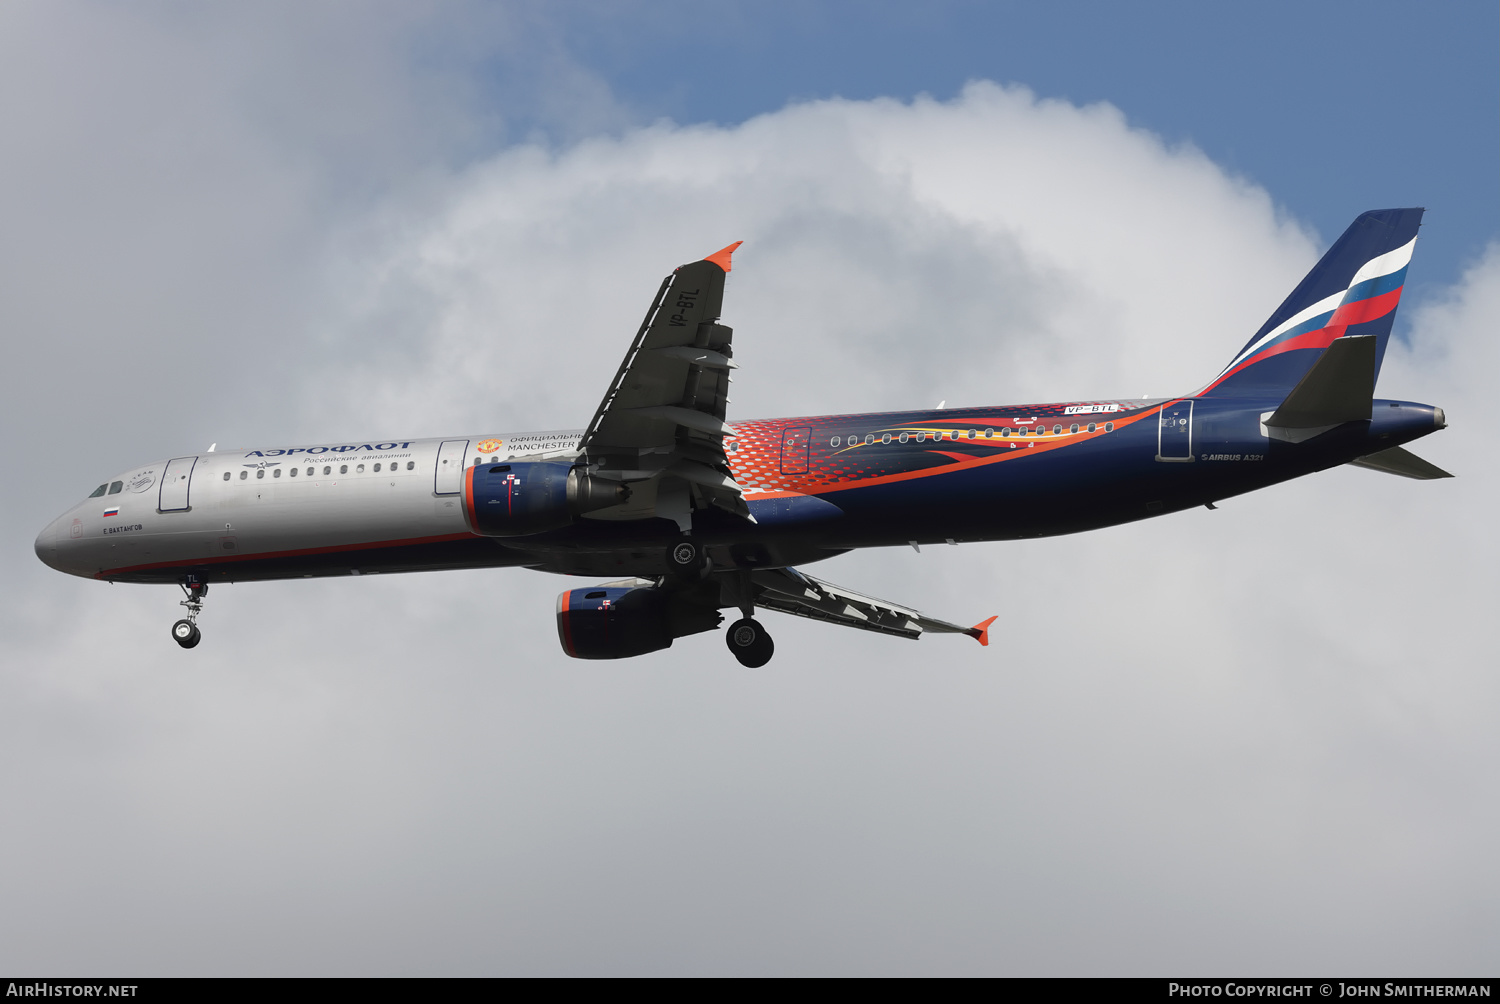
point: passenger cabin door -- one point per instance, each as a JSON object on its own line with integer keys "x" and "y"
{"x": 1175, "y": 432}
{"x": 176, "y": 481}
{"x": 794, "y": 445}
{"x": 449, "y": 477}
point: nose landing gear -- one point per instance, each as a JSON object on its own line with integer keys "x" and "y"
{"x": 185, "y": 632}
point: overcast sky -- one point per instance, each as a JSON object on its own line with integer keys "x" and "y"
{"x": 1259, "y": 740}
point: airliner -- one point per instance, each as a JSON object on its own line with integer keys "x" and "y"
{"x": 688, "y": 514}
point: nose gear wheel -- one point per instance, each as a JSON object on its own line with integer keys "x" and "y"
{"x": 185, "y": 632}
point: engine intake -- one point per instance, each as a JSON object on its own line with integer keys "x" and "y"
{"x": 510, "y": 500}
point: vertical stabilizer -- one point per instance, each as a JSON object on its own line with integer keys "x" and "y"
{"x": 1352, "y": 290}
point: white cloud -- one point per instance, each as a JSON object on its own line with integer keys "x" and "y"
{"x": 1253, "y": 740}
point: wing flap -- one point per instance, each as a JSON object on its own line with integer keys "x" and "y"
{"x": 793, "y": 592}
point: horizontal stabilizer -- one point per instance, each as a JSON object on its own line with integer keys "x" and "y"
{"x": 1338, "y": 388}
{"x": 1403, "y": 463}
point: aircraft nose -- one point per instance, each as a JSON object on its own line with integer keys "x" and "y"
{"x": 46, "y": 545}
{"x": 51, "y": 542}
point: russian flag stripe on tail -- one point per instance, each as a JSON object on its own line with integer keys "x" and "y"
{"x": 1353, "y": 290}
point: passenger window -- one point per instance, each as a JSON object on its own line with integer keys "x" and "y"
{"x": 1073, "y": 427}
{"x": 377, "y": 468}
{"x": 411, "y": 465}
{"x": 116, "y": 487}
{"x": 99, "y": 491}
{"x": 260, "y": 473}
{"x": 904, "y": 437}
{"x": 327, "y": 470}
{"x": 921, "y": 436}
{"x": 1092, "y": 427}
{"x": 886, "y": 438}
{"x": 343, "y": 468}
{"x": 989, "y": 433}
{"x": 309, "y": 472}
{"x": 971, "y": 433}
{"x": 276, "y": 473}
{"x": 226, "y": 475}
{"x": 869, "y": 438}
{"x": 1057, "y": 430}
{"x": 244, "y": 475}
{"x": 1109, "y": 427}
{"x": 292, "y": 473}
{"x": 835, "y": 441}
{"x": 1004, "y": 433}
{"x": 359, "y": 469}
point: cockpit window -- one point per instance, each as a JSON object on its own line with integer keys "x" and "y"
{"x": 116, "y": 487}
{"x": 99, "y": 491}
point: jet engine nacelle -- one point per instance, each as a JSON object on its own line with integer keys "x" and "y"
{"x": 610, "y": 622}
{"x": 626, "y": 619}
{"x": 509, "y": 500}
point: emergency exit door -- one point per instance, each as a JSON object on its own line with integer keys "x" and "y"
{"x": 794, "y": 446}
{"x": 1175, "y": 432}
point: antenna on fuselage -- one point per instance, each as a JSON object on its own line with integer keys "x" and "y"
{"x": 211, "y": 447}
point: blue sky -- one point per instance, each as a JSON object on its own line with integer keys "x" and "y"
{"x": 1333, "y": 107}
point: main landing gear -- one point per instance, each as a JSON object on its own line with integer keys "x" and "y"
{"x": 686, "y": 561}
{"x": 185, "y": 632}
{"x": 748, "y": 640}
{"x": 747, "y": 637}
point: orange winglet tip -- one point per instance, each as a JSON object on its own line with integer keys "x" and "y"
{"x": 721, "y": 258}
{"x": 983, "y": 627}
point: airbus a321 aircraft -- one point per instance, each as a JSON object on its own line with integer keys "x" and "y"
{"x": 691, "y": 514}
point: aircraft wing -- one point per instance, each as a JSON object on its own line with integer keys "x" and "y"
{"x": 794, "y": 592}
{"x": 662, "y": 419}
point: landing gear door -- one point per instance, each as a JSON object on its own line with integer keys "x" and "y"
{"x": 176, "y": 482}
{"x": 448, "y": 479}
{"x": 1175, "y": 433}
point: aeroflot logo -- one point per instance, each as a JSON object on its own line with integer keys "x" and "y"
{"x": 314, "y": 450}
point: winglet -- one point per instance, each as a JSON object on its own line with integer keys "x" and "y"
{"x": 981, "y": 631}
{"x": 721, "y": 258}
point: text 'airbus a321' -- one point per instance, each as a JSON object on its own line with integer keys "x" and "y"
{"x": 692, "y": 514}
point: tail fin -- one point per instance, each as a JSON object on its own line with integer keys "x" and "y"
{"x": 1353, "y": 290}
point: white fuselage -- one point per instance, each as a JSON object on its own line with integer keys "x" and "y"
{"x": 289, "y": 501}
